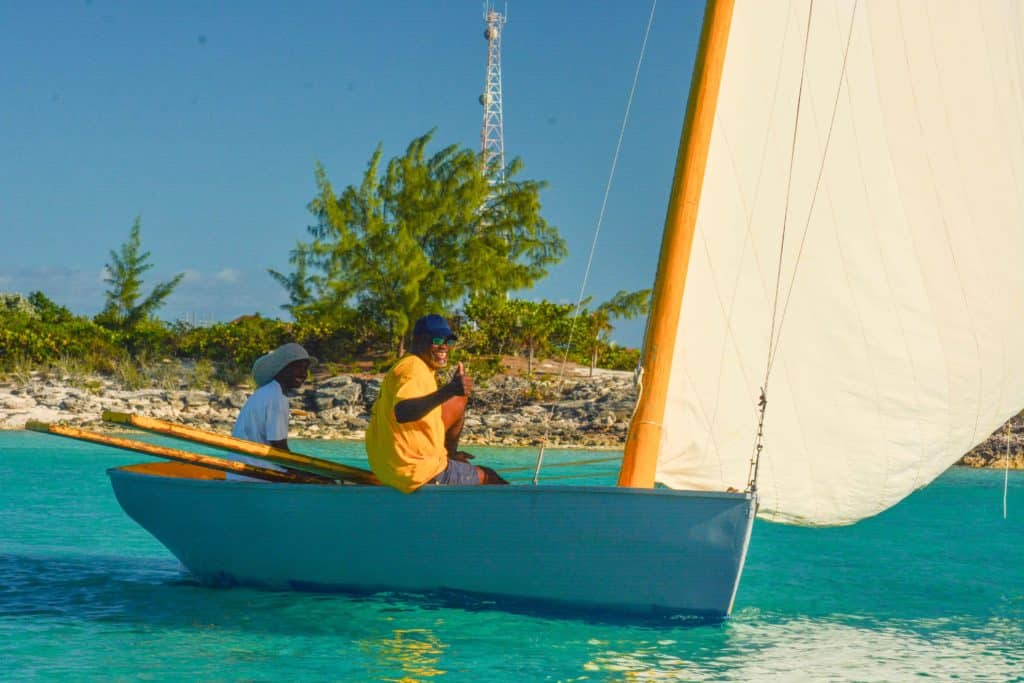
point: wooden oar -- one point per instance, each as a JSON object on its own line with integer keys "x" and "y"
{"x": 297, "y": 461}
{"x": 181, "y": 456}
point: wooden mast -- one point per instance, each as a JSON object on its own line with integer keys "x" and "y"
{"x": 645, "y": 431}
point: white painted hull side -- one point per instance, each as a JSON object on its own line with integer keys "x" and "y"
{"x": 629, "y": 550}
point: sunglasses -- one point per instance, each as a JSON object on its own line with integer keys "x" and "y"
{"x": 441, "y": 341}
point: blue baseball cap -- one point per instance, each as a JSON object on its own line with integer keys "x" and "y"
{"x": 433, "y": 325}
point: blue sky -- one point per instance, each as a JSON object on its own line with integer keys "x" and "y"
{"x": 206, "y": 119}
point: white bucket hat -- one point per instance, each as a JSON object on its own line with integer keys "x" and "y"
{"x": 268, "y": 365}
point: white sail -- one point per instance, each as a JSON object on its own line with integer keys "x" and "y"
{"x": 888, "y": 137}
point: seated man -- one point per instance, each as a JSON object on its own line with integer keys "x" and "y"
{"x": 264, "y": 417}
{"x": 413, "y": 436}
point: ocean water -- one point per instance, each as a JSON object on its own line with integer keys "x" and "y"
{"x": 933, "y": 589}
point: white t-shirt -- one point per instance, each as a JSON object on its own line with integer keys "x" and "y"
{"x": 263, "y": 418}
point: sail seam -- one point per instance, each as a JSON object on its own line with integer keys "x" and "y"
{"x": 776, "y": 337}
{"x": 1014, "y": 96}
{"x": 814, "y": 196}
{"x": 887, "y": 271}
{"x": 763, "y": 399}
{"x": 711, "y": 418}
{"x": 918, "y": 475}
{"x": 953, "y": 255}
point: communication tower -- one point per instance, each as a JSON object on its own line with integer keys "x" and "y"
{"x": 492, "y": 137}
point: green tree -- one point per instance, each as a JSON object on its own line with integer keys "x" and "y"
{"x": 624, "y": 304}
{"x": 418, "y": 237}
{"x": 492, "y": 321}
{"x": 297, "y": 284}
{"x": 126, "y": 311}
{"x": 533, "y": 323}
{"x": 518, "y": 326}
{"x": 48, "y": 310}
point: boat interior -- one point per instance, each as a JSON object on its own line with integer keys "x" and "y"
{"x": 179, "y": 470}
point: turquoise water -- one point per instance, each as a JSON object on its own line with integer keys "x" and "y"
{"x": 932, "y": 588}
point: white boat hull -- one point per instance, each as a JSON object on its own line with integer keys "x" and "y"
{"x": 646, "y": 551}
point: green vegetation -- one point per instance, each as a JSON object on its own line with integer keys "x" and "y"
{"x": 624, "y": 304}
{"x": 124, "y": 313}
{"x": 39, "y": 332}
{"x": 429, "y": 233}
{"x": 418, "y": 237}
{"x": 514, "y": 326}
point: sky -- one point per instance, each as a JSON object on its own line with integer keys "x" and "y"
{"x": 205, "y": 119}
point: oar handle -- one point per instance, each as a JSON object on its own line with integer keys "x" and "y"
{"x": 209, "y": 461}
{"x": 326, "y": 468}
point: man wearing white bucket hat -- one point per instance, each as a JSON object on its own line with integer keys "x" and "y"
{"x": 264, "y": 417}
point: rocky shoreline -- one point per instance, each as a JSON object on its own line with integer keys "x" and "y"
{"x": 569, "y": 412}
{"x": 505, "y": 411}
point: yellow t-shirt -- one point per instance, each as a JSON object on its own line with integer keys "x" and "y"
{"x": 408, "y": 455}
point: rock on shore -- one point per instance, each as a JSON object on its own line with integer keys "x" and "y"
{"x": 507, "y": 411}
{"x": 575, "y": 411}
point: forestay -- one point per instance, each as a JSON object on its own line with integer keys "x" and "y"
{"x": 887, "y": 138}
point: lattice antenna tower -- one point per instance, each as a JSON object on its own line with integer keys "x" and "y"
{"x": 492, "y": 136}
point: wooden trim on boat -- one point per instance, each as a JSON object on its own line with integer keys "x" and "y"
{"x": 179, "y": 470}
{"x": 645, "y": 432}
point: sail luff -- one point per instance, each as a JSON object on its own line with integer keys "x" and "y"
{"x": 645, "y": 433}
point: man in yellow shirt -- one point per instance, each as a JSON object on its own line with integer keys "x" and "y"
{"x": 414, "y": 427}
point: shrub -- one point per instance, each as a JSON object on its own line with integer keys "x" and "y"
{"x": 482, "y": 368}
{"x": 49, "y": 311}
{"x": 30, "y": 338}
{"x": 614, "y": 357}
{"x": 16, "y": 303}
{"x": 149, "y": 338}
{"x": 237, "y": 343}
{"x": 130, "y": 374}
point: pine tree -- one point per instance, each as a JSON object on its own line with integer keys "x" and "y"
{"x": 123, "y": 311}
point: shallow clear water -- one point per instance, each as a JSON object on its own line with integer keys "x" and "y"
{"x": 932, "y": 588}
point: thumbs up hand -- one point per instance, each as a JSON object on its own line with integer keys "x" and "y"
{"x": 461, "y": 384}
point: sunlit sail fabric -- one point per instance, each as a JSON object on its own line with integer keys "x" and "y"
{"x": 887, "y": 137}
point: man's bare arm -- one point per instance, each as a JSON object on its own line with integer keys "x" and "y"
{"x": 412, "y": 409}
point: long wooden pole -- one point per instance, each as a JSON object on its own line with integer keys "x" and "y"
{"x": 297, "y": 461}
{"x": 208, "y": 461}
{"x": 645, "y": 433}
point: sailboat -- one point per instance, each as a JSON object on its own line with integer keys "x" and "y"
{"x": 837, "y": 318}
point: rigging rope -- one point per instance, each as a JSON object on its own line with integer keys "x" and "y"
{"x": 1006, "y": 468}
{"x": 776, "y": 334}
{"x": 593, "y": 244}
{"x": 571, "y": 463}
{"x": 611, "y": 474}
